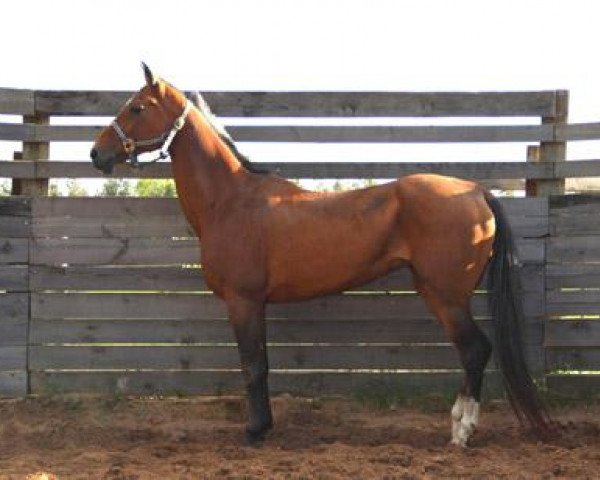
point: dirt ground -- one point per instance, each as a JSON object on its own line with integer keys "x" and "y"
{"x": 122, "y": 438}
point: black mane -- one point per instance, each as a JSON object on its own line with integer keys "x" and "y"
{"x": 201, "y": 105}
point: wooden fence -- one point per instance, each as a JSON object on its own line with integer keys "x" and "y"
{"x": 106, "y": 294}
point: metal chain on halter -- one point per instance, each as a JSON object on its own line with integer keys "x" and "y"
{"x": 130, "y": 145}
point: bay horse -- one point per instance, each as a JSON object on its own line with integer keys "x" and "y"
{"x": 264, "y": 239}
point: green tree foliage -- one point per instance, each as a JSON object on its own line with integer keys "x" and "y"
{"x": 116, "y": 188}
{"x": 74, "y": 189}
{"x": 155, "y": 188}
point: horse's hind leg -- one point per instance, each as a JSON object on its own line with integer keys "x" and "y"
{"x": 474, "y": 350}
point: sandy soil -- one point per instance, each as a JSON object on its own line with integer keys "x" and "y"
{"x": 83, "y": 438}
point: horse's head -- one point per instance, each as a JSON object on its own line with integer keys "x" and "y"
{"x": 148, "y": 121}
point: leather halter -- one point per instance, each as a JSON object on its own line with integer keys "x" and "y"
{"x": 164, "y": 141}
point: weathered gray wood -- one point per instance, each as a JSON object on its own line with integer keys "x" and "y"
{"x": 14, "y": 250}
{"x": 577, "y": 131}
{"x": 574, "y": 249}
{"x": 11, "y": 227}
{"x": 321, "y": 104}
{"x": 199, "y": 306}
{"x": 14, "y": 314}
{"x": 15, "y": 132}
{"x": 13, "y": 384}
{"x": 574, "y": 385}
{"x": 185, "y": 332}
{"x": 489, "y": 173}
{"x": 13, "y": 357}
{"x": 554, "y": 150}
{"x": 17, "y": 101}
{"x": 109, "y": 217}
{"x": 14, "y": 278}
{"x": 307, "y": 383}
{"x": 572, "y": 275}
{"x": 114, "y": 251}
{"x": 577, "y": 168}
{"x": 191, "y": 279}
{"x": 145, "y": 278}
{"x": 572, "y": 333}
{"x": 161, "y": 251}
{"x": 101, "y": 357}
{"x": 312, "y": 134}
{"x": 15, "y": 207}
{"x": 573, "y": 359}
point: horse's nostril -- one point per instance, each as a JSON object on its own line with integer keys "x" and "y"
{"x": 93, "y": 153}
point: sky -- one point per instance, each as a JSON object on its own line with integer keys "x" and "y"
{"x": 402, "y": 45}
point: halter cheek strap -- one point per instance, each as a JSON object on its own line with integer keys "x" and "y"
{"x": 130, "y": 145}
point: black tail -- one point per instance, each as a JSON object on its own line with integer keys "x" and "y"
{"x": 508, "y": 317}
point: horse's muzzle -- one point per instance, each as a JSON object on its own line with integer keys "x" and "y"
{"x": 105, "y": 165}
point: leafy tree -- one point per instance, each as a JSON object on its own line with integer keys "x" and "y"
{"x": 116, "y": 188}
{"x": 74, "y": 189}
{"x": 155, "y": 188}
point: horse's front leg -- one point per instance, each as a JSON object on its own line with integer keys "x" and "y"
{"x": 248, "y": 320}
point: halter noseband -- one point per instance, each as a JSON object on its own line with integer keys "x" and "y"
{"x": 130, "y": 145}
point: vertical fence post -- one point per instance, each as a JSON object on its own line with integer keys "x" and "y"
{"x": 554, "y": 151}
{"x": 35, "y": 151}
{"x": 531, "y": 184}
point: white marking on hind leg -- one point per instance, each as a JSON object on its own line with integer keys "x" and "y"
{"x": 464, "y": 428}
{"x": 456, "y": 415}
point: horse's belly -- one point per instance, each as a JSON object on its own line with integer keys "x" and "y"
{"x": 327, "y": 272}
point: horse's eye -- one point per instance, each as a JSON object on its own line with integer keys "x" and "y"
{"x": 137, "y": 109}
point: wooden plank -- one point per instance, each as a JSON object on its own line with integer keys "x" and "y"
{"x": 578, "y": 168}
{"x": 13, "y": 358}
{"x": 184, "y": 279}
{"x": 16, "y": 132}
{"x": 160, "y": 251}
{"x": 109, "y": 217}
{"x": 574, "y": 249}
{"x": 314, "y": 134}
{"x": 301, "y": 383}
{"x": 81, "y": 278}
{"x": 14, "y": 226}
{"x": 479, "y": 171}
{"x": 198, "y": 306}
{"x": 573, "y": 359}
{"x": 13, "y": 384}
{"x": 14, "y": 313}
{"x": 227, "y": 357}
{"x": 572, "y": 275}
{"x": 321, "y": 104}
{"x": 114, "y": 251}
{"x": 129, "y": 208}
{"x": 20, "y": 169}
{"x": 116, "y": 217}
{"x": 15, "y": 207}
{"x": 14, "y": 278}
{"x": 17, "y": 101}
{"x": 577, "y": 131}
{"x": 572, "y": 333}
{"x": 14, "y": 250}
{"x": 186, "y": 332}
{"x": 574, "y": 214}
{"x": 586, "y": 386}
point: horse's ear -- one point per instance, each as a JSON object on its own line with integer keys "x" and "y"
{"x": 151, "y": 80}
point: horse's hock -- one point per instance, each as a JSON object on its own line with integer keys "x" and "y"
{"x": 105, "y": 294}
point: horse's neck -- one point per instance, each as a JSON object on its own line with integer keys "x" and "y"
{"x": 206, "y": 172}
